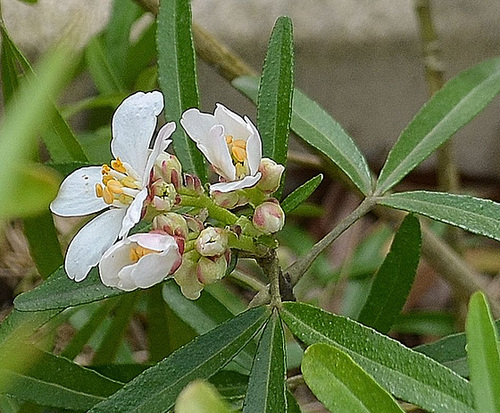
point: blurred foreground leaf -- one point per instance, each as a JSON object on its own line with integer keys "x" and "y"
{"x": 200, "y": 397}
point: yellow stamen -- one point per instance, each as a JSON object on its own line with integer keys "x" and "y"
{"x": 240, "y": 154}
{"x": 105, "y": 169}
{"x": 117, "y": 165}
{"x": 114, "y": 186}
{"x": 138, "y": 252}
{"x": 98, "y": 190}
{"x": 240, "y": 144}
{"x": 229, "y": 139}
{"x": 107, "y": 196}
{"x": 106, "y": 179}
{"x": 130, "y": 182}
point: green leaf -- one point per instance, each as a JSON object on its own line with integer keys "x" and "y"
{"x": 317, "y": 128}
{"x": 300, "y": 194}
{"x": 455, "y": 105}
{"x": 200, "y": 397}
{"x": 425, "y": 323}
{"x": 406, "y": 374}
{"x": 106, "y": 77}
{"x": 482, "y": 355}
{"x": 342, "y": 385}
{"x": 394, "y": 279}
{"x": 157, "y": 388}
{"x": 43, "y": 242}
{"x": 60, "y": 140}
{"x": 274, "y": 103}
{"x": 267, "y": 386}
{"x": 177, "y": 77}
{"x": 476, "y": 215}
{"x": 230, "y": 384}
{"x": 59, "y": 292}
{"x": 141, "y": 54}
{"x": 33, "y": 375}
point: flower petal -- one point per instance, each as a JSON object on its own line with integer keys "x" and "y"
{"x": 246, "y": 182}
{"x": 113, "y": 261}
{"x": 154, "y": 268}
{"x": 134, "y": 211}
{"x": 91, "y": 242}
{"x": 217, "y": 152}
{"x": 77, "y": 195}
{"x": 154, "y": 241}
{"x": 160, "y": 144}
{"x": 197, "y": 125}
{"x": 133, "y": 125}
{"x": 254, "y": 148}
{"x": 234, "y": 124}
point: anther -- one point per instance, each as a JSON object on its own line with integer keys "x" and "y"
{"x": 115, "y": 186}
{"x": 229, "y": 139}
{"x": 117, "y": 165}
{"x": 98, "y": 190}
{"x": 240, "y": 154}
{"x": 105, "y": 169}
{"x": 107, "y": 196}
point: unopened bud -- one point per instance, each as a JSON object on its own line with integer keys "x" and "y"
{"x": 271, "y": 175}
{"x": 212, "y": 242}
{"x": 164, "y": 195}
{"x": 193, "y": 182}
{"x": 194, "y": 224}
{"x": 269, "y": 217}
{"x": 171, "y": 223}
{"x": 164, "y": 166}
{"x": 211, "y": 270}
{"x": 227, "y": 200}
{"x": 186, "y": 277}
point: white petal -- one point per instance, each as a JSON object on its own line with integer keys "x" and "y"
{"x": 77, "y": 194}
{"x": 153, "y": 241}
{"x": 246, "y": 182}
{"x": 254, "y": 148}
{"x": 233, "y": 123}
{"x": 217, "y": 152}
{"x": 197, "y": 125}
{"x": 133, "y": 125}
{"x": 88, "y": 246}
{"x": 161, "y": 143}
{"x": 134, "y": 211}
{"x": 154, "y": 268}
{"x": 112, "y": 262}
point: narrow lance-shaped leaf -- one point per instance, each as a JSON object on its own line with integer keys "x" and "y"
{"x": 29, "y": 374}
{"x": 452, "y": 107}
{"x": 177, "y": 77}
{"x": 267, "y": 386}
{"x": 394, "y": 279}
{"x": 59, "y": 292}
{"x": 274, "y": 104}
{"x": 158, "y": 387}
{"x": 342, "y": 385}
{"x": 317, "y": 128}
{"x": 406, "y": 374}
{"x": 300, "y": 194}
{"x": 482, "y": 355}
{"x": 476, "y": 215}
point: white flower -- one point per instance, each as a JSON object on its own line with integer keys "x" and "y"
{"x": 230, "y": 143}
{"x": 120, "y": 189}
{"x": 139, "y": 261}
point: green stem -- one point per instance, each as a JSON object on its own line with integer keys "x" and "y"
{"x": 202, "y": 201}
{"x": 271, "y": 267}
{"x": 247, "y": 280}
{"x": 299, "y": 267}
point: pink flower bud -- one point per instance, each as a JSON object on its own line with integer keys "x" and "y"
{"x": 227, "y": 200}
{"x": 194, "y": 183}
{"x": 171, "y": 223}
{"x": 164, "y": 195}
{"x": 211, "y": 270}
{"x": 212, "y": 242}
{"x": 269, "y": 217}
{"x": 271, "y": 175}
{"x": 186, "y": 276}
{"x": 164, "y": 166}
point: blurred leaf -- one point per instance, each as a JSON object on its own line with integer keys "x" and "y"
{"x": 157, "y": 388}
{"x": 95, "y": 102}
{"x": 230, "y": 384}
{"x": 59, "y": 292}
{"x": 106, "y": 77}
{"x": 200, "y": 397}
{"x": 406, "y": 374}
{"x": 274, "y": 103}
{"x": 66, "y": 168}
{"x": 43, "y": 242}
{"x": 267, "y": 384}
{"x": 341, "y": 384}
{"x": 312, "y": 124}
{"x": 115, "y": 332}
{"x": 60, "y": 139}
{"x": 33, "y": 375}
{"x": 300, "y": 194}
{"x": 292, "y": 405}
{"x": 394, "y": 279}
{"x": 177, "y": 77}
{"x": 120, "y": 372}
{"x": 452, "y": 107}
{"x": 8, "y": 405}
{"x": 141, "y": 54}
{"x": 425, "y": 323}
{"x": 476, "y": 215}
{"x": 482, "y": 355}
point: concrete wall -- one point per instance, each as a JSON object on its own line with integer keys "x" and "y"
{"x": 360, "y": 59}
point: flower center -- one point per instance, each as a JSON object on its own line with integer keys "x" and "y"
{"x": 238, "y": 151}
{"x": 117, "y": 184}
{"x": 136, "y": 253}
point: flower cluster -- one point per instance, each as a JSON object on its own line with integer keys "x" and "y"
{"x": 192, "y": 229}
